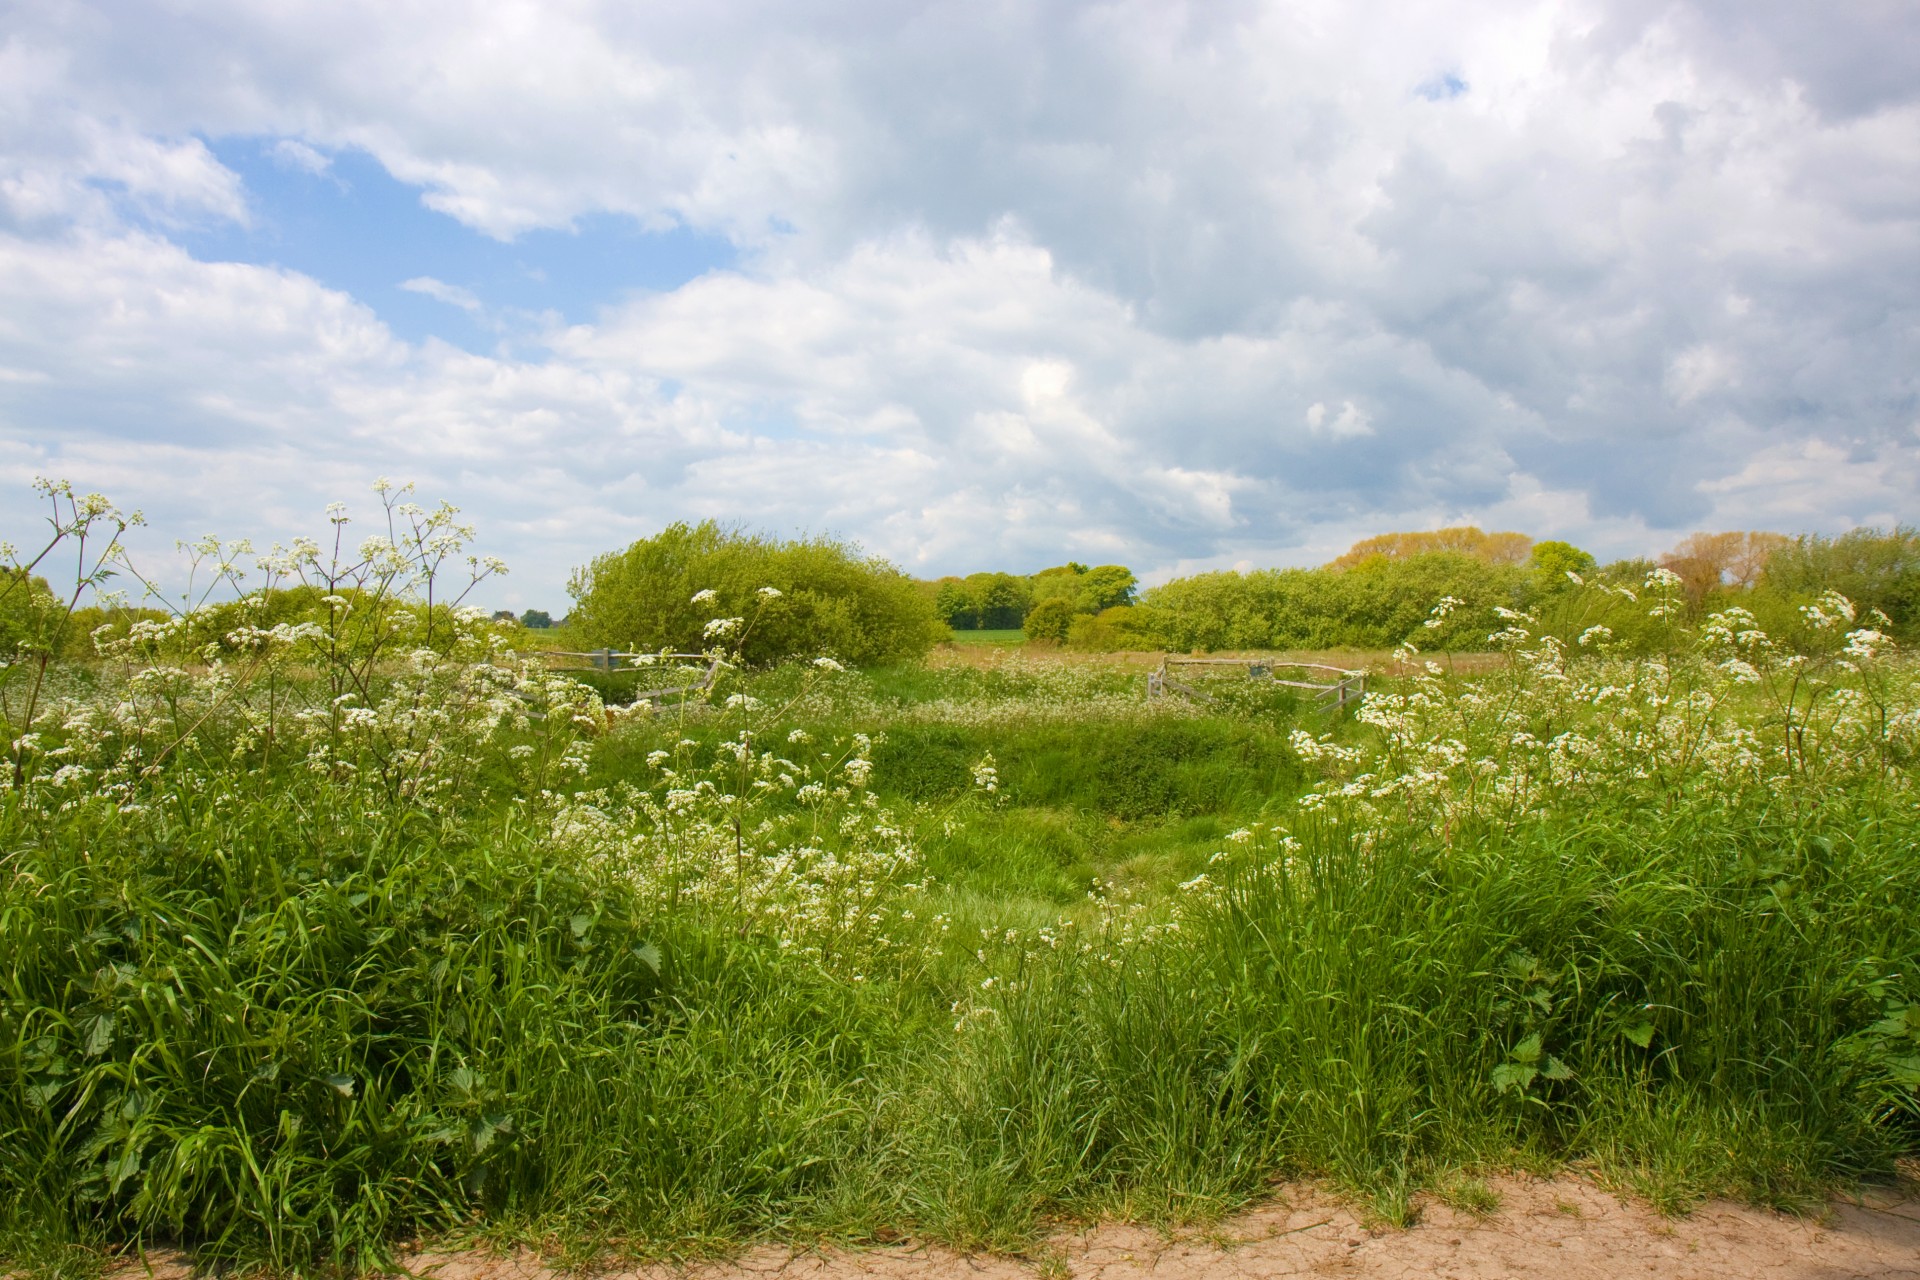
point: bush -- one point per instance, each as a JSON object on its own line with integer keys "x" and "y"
{"x": 1050, "y": 621}
{"x": 1120, "y": 627}
{"x": 826, "y": 598}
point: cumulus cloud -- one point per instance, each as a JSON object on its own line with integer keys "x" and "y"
{"x": 1178, "y": 284}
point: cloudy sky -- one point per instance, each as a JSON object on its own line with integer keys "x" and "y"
{"x": 982, "y": 284}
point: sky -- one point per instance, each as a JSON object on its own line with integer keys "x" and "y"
{"x": 976, "y": 285}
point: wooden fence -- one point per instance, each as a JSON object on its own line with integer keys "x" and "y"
{"x": 616, "y": 660}
{"x": 1329, "y": 695}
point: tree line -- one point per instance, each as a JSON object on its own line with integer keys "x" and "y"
{"x": 691, "y": 587}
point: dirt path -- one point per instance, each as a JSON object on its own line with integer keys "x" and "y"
{"x": 1562, "y": 1230}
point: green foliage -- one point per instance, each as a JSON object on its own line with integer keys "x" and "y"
{"x": 1875, "y": 568}
{"x": 1119, "y": 627}
{"x": 536, "y": 620}
{"x": 1106, "y": 586}
{"x": 955, "y": 605}
{"x": 1002, "y": 601}
{"x": 1555, "y": 565}
{"x": 1375, "y": 605}
{"x": 347, "y": 1060}
{"x": 1155, "y": 769}
{"x": 830, "y": 601}
{"x": 1050, "y": 620}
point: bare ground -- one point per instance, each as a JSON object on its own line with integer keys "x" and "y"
{"x": 1564, "y": 1229}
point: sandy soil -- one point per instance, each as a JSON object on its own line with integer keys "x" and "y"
{"x": 1562, "y": 1229}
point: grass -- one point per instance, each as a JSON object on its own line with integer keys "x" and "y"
{"x": 289, "y": 1016}
{"x": 1015, "y": 636}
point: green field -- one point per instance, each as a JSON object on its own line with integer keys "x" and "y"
{"x": 961, "y": 636}
{"x": 310, "y": 954}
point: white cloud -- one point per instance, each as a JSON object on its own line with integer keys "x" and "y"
{"x": 1348, "y": 423}
{"x": 297, "y": 155}
{"x": 1015, "y": 279}
{"x": 440, "y": 291}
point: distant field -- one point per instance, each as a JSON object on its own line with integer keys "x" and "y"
{"x": 1014, "y": 636}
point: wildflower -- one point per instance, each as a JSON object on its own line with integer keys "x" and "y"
{"x": 704, "y": 596}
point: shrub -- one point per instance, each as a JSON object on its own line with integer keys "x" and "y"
{"x": 802, "y": 598}
{"x": 1050, "y": 621}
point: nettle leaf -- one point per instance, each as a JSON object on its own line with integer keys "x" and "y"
{"x": 486, "y": 1128}
{"x": 1640, "y": 1033}
{"x": 648, "y": 955}
{"x": 99, "y": 1035}
{"x": 342, "y": 1085}
{"x": 122, "y": 1169}
{"x": 1528, "y": 1050}
{"x": 1557, "y": 1070}
{"x": 1510, "y": 1076}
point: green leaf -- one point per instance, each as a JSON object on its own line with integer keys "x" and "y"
{"x": 1557, "y": 1070}
{"x": 1640, "y": 1033}
{"x": 99, "y": 1035}
{"x": 1512, "y": 1076}
{"x": 342, "y": 1085}
{"x": 581, "y": 923}
{"x": 1527, "y": 1050}
{"x": 648, "y": 955}
{"x": 125, "y": 1167}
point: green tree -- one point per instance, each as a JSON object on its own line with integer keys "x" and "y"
{"x": 1001, "y": 599}
{"x": 536, "y": 620}
{"x": 1105, "y": 587}
{"x": 1552, "y": 561}
{"x": 956, "y": 605}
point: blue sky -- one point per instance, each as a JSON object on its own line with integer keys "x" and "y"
{"x": 353, "y": 227}
{"x": 1177, "y": 285}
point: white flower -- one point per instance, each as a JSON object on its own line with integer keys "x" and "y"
{"x": 828, "y": 664}
{"x": 1866, "y": 643}
{"x": 704, "y": 596}
{"x": 768, "y": 593}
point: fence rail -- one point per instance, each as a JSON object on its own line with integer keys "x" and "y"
{"x": 612, "y": 660}
{"x": 1329, "y": 695}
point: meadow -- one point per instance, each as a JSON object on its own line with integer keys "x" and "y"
{"x": 331, "y": 934}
